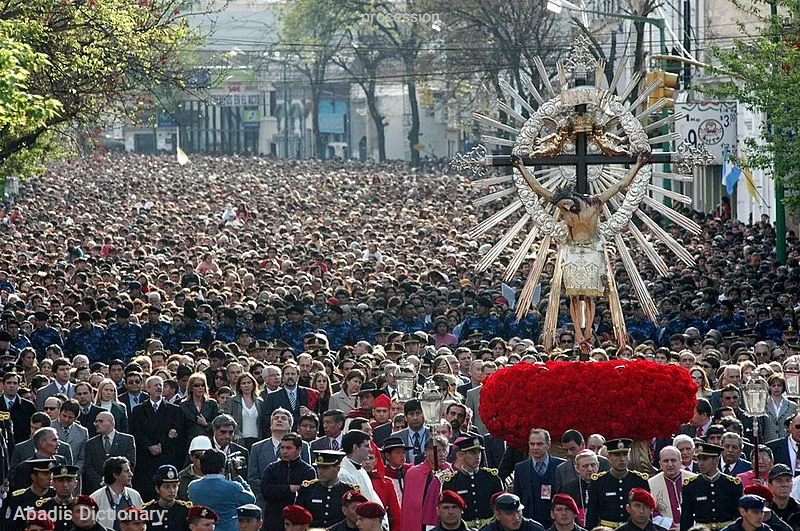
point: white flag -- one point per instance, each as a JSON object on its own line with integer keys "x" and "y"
{"x": 183, "y": 159}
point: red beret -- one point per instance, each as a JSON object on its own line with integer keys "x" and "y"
{"x": 296, "y": 514}
{"x": 382, "y": 400}
{"x": 370, "y": 510}
{"x": 84, "y": 499}
{"x": 133, "y": 514}
{"x": 640, "y": 495}
{"x": 495, "y": 495}
{"x": 449, "y": 496}
{"x": 200, "y": 511}
{"x": 40, "y": 519}
{"x": 760, "y": 490}
{"x": 565, "y": 500}
{"x": 353, "y": 496}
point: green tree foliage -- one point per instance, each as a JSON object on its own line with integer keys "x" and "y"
{"x": 67, "y": 66}
{"x": 762, "y": 70}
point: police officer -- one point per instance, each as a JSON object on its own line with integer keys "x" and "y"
{"x": 167, "y": 513}
{"x": 640, "y": 507}
{"x": 65, "y": 481}
{"x": 249, "y": 517}
{"x": 751, "y": 514}
{"x": 323, "y": 496}
{"x": 473, "y": 483}
{"x": 608, "y": 491}
{"x": 24, "y": 500}
{"x": 710, "y": 498}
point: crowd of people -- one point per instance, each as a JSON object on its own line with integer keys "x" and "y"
{"x": 218, "y": 344}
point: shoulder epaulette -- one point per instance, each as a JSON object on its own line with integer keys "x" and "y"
{"x": 447, "y": 476}
{"x": 733, "y": 479}
{"x": 686, "y": 481}
{"x": 41, "y": 502}
{"x": 643, "y": 475}
{"x": 308, "y": 482}
{"x": 598, "y": 475}
{"x": 492, "y": 471}
{"x": 18, "y": 492}
{"x": 184, "y": 503}
{"x": 149, "y": 503}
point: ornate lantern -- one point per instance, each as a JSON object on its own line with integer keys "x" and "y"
{"x": 755, "y": 393}
{"x": 431, "y": 401}
{"x": 406, "y": 380}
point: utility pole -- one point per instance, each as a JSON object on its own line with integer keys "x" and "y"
{"x": 780, "y": 209}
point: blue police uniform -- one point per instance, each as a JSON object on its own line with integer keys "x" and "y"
{"x": 678, "y": 325}
{"x": 526, "y": 328}
{"x": 227, "y": 333}
{"x": 89, "y": 342}
{"x": 408, "y": 327}
{"x": 771, "y": 329}
{"x": 267, "y": 333}
{"x": 21, "y": 342}
{"x": 159, "y": 330}
{"x": 294, "y": 333}
{"x": 199, "y": 332}
{"x": 43, "y": 338}
{"x": 123, "y": 341}
{"x": 339, "y": 335}
{"x": 365, "y": 333}
{"x": 489, "y": 325}
{"x": 721, "y": 324}
{"x": 641, "y": 330}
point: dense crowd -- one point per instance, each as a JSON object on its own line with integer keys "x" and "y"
{"x": 226, "y": 337}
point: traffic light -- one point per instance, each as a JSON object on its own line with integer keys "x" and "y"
{"x": 666, "y": 89}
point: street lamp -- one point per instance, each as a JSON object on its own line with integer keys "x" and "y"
{"x": 755, "y": 392}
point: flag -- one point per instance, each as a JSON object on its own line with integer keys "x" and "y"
{"x": 183, "y": 159}
{"x": 751, "y": 184}
{"x": 509, "y": 294}
{"x": 730, "y": 172}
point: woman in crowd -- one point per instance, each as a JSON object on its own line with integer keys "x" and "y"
{"x": 197, "y": 408}
{"x": 246, "y": 407}
{"x": 106, "y": 398}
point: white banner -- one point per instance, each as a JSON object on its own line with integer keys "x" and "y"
{"x": 709, "y": 123}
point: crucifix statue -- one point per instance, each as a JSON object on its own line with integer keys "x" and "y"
{"x": 590, "y": 150}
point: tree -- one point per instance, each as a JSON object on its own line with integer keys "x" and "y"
{"x": 313, "y": 32}
{"x": 73, "y": 64}
{"x": 760, "y": 70}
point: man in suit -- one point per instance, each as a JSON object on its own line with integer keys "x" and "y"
{"x": 731, "y": 461}
{"x": 43, "y": 444}
{"x": 222, "y": 428}
{"x": 156, "y": 426}
{"x": 416, "y": 433}
{"x": 572, "y": 443}
{"x": 475, "y": 377}
{"x": 785, "y": 450}
{"x": 107, "y": 443}
{"x": 19, "y": 408}
{"x": 88, "y": 411}
{"x": 267, "y": 451}
{"x": 667, "y": 486}
{"x": 685, "y": 446}
{"x": 292, "y": 397}
{"x": 60, "y": 384}
{"x": 473, "y": 401}
{"x": 332, "y": 425}
{"x": 71, "y": 432}
{"x": 133, "y": 395}
{"x": 535, "y": 477}
{"x": 700, "y": 422}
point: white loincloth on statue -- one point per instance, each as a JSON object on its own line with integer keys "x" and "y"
{"x": 584, "y": 267}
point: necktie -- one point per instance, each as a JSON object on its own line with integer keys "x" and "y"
{"x": 135, "y": 399}
{"x": 796, "y": 459}
{"x": 66, "y": 431}
{"x": 415, "y": 440}
{"x": 539, "y": 467}
{"x": 106, "y": 444}
{"x": 155, "y": 407}
{"x": 292, "y": 400}
{"x": 334, "y": 444}
{"x": 277, "y": 451}
{"x": 699, "y": 432}
{"x": 727, "y": 469}
{"x": 64, "y": 389}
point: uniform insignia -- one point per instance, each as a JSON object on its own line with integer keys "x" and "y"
{"x": 170, "y": 474}
{"x": 204, "y": 513}
{"x": 41, "y": 502}
{"x": 642, "y": 475}
{"x": 308, "y": 482}
{"x": 492, "y": 471}
{"x": 597, "y": 476}
{"x": 686, "y": 481}
{"x": 64, "y": 471}
{"x": 699, "y": 448}
{"x": 184, "y": 503}
{"x": 620, "y": 445}
{"x": 18, "y": 492}
{"x": 149, "y": 503}
{"x": 734, "y": 479}
{"x": 447, "y": 476}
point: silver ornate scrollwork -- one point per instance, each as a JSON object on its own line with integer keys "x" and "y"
{"x": 580, "y": 60}
{"x": 690, "y": 157}
{"x": 473, "y": 162}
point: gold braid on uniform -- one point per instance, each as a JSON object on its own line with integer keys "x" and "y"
{"x": 148, "y": 504}
{"x": 686, "y": 481}
{"x": 733, "y": 479}
{"x": 184, "y": 503}
{"x": 643, "y": 475}
{"x": 492, "y": 471}
{"x": 41, "y": 502}
{"x": 18, "y": 492}
{"x": 447, "y": 476}
{"x": 598, "y": 475}
{"x": 308, "y": 482}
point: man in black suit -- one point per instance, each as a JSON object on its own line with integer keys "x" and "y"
{"x": 20, "y": 409}
{"x": 290, "y": 396}
{"x": 133, "y": 395}
{"x": 223, "y": 427}
{"x": 60, "y": 384}
{"x": 156, "y": 426}
{"x": 107, "y": 443}
{"x": 785, "y": 450}
{"x": 88, "y": 413}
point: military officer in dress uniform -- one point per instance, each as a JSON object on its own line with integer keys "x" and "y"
{"x": 323, "y": 496}
{"x": 24, "y": 500}
{"x": 710, "y": 498}
{"x": 65, "y": 481}
{"x": 608, "y": 491}
{"x": 640, "y": 507}
{"x": 473, "y": 483}
{"x": 167, "y": 513}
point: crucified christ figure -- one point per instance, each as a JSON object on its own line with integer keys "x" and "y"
{"x": 584, "y": 265}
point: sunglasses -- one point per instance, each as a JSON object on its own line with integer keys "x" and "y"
{"x": 199, "y": 385}
{"x": 50, "y": 408}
